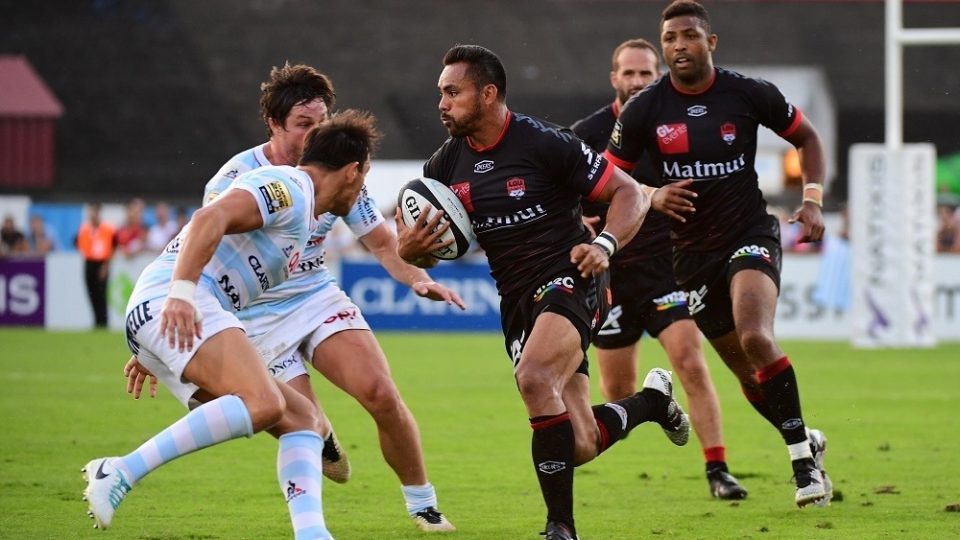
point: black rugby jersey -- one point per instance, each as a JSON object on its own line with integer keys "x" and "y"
{"x": 653, "y": 238}
{"x": 523, "y": 195}
{"x": 710, "y": 137}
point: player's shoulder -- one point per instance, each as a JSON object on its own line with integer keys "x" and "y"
{"x": 280, "y": 186}
{"x": 646, "y": 101}
{"x": 653, "y": 91}
{"x": 730, "y": 78}
{"x": 242, "y": 162}
{"x": 290, "y": 176}
{"x": 449, "y": 147}
{"x": 526, "y": 122}
{"x": 439, "y": 165}
{"x": 535, "y": 134}
{"x": 599, "y": 119}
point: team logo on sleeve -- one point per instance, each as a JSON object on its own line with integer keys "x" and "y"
{"x": 672, "y": 138}
{"x": 210, "y": 197}
{"x": 617, "y": 134}
{"x": 516, "y": 187}
{"x": 462, "y": 191}
{"x": 276, "y": 196}
{"x": 728, "y": 132}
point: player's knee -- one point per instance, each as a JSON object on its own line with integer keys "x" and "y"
{"x": 690, "y": 365}
{"x": 756, "y": 342}
{"x": 534, "y": 383}
{"x": 380, "y": 397}
{"x": 266, "y": 408}
{"x": 584, "y": 451}
{"x": 586, "y": 438}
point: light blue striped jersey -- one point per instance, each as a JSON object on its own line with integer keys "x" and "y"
{"x": 247, "y": 264}
{"x": 245, "y": 161}
{"x": 310, "y": 275}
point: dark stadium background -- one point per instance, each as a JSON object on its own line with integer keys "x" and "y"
{"x": 158, "y": 93}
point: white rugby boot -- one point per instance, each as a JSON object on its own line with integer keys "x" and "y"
{"x": 106, "y": 488}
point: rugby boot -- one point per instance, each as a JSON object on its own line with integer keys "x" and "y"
{"x": 675, "y": 422}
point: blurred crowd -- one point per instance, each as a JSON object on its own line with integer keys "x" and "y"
{"x": 38, "y": 240}
{"x": 140, "y": 234}
{"x": 134, "y": 236}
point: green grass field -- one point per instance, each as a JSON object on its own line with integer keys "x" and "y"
{"x": 891, "y": 417}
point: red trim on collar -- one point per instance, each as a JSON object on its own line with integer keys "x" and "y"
{"x": 713, "y": 79}
{"x": 616, "y": 108}
{"x": 500, "y": 137}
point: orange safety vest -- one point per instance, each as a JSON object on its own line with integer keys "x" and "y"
{"x": 95, "y": 244}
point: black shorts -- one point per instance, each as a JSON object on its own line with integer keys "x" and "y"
{"x": 583, "y": 301}
{"x": 706, "y": 275}
{"x": 646, "y": 298}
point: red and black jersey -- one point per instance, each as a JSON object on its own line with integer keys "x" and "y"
{"x": 653, "y": 238}
{"x": 523, "y": 195}
{"x": 711, "y": 137}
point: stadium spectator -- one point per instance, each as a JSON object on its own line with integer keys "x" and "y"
{"x": 833, "y": 288}
{"x": 163, "y": 229}
{"x": 183, "y": 216}
{"x": 182, "y": 325}
{"x": 12, "y": 240}
{"x": 645, "y": 296}
{"x": 132, "y": 235}
{"x": 96, "y": 241}
{"x": 948, "y": 228}
{"x": 699, "y": 125}
{"x": 40, "y": 238}
{"x": 552, "y": 281}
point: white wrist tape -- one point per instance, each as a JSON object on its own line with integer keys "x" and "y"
{"x": 813, "y": 193}
{"x": 185, "y": 290}
{"x": 607, "y": 242}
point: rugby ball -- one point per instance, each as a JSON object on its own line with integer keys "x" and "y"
{"x": 419, "y": 193}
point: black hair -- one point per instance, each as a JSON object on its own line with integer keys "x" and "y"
{"x": 347, "y": 137}
{"x": 686, "y": 8}
{"x": 485, "y": 66}
{"x": 290, "y": 86}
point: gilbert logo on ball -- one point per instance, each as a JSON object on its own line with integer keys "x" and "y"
{"x": 420, "y": 194}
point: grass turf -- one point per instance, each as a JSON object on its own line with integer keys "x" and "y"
{"x": 890, "y": 417}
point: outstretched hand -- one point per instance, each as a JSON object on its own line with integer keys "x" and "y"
{"x": 810, "y": 216}
{"x": 675, "y": 199}
{"x": 136, "y": 375}
{"x": 438, "y": 292}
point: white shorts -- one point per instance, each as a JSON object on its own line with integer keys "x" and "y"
{"x": 154, "y": 351}
{"x": 286, "y": 342}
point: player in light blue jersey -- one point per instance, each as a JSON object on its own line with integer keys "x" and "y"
{"x": 182, "y": 324}
{"x": 309, "y": 319}
{"x": 295, "y": 100}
